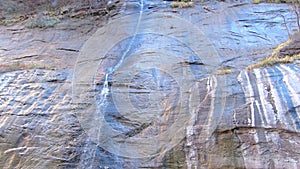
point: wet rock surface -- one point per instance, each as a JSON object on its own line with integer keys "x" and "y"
{"x": 141, "y": 90}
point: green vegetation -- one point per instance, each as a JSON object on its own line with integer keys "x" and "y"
{"x": 42, "y": 22}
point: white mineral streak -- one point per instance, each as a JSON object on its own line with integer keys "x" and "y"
{"x": 211, "y": 90}
{"x": 264, "y": 103}
{"x": 276, "y": 99}
{"x": 272, "y": 89}
{"x": 249, "y": 94}
{"x": 291, "y": 79}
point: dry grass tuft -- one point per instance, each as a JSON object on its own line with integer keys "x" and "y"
{"x": 274, "y": 59}
{"x": 21, "y": 66}
{"x": 182, "y": 4}
{"x": 17, "y": 19}
{"x": 224, "y": 71}
{"x": 270, "y": 61}
{"x": 279, "y": 47}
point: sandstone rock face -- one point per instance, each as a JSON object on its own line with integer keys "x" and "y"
{"x": 37, "y": 123}
{"x": 145, "y": 89}
{"x": 273, "y": 107}
{"x": 293, "y": 48}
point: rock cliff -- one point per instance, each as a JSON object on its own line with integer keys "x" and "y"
{"x": 143, "y": 85}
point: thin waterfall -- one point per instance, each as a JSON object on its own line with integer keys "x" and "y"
{"x": 105, "y": 90}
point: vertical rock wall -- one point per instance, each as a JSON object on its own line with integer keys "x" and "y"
{"x": 161, "y": 68}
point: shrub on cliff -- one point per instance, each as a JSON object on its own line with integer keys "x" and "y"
{"x": 42, "y": 22}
